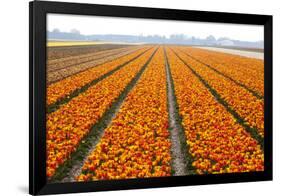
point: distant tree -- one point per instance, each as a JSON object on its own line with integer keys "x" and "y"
{"x": 211, "y": 38}
{"x": 223, "y": 38}
{"x": 75, "y": 31}
{"x": 56, "y": 30}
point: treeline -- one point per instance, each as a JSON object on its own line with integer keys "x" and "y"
{"x": 155, "y": 39}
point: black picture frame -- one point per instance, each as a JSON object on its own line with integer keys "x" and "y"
{"x": 37, "y": 89}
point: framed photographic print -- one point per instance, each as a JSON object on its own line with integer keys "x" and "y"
{"x": 131, "y": 97}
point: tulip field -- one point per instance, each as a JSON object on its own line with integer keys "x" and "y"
{"x": 152, "y": 111}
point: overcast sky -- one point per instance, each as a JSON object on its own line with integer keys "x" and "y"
{"x": 89, "y": 25}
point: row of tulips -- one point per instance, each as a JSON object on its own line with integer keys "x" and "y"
{"x": 67, "y": 126}
{"x": 238, "y": 62}
{"x": 250, "y": 108}
{"x": 69, "y": 68}
{"x": 136, "y": 144}
{"x": 242, "y": 69}
{"x": 65, "y": 87}
{"x": 216, "y": 141}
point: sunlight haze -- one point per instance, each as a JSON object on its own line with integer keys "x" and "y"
{"x": 89, "y": 25}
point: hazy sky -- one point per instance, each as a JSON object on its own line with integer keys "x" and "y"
{"x": 130, "y": 26}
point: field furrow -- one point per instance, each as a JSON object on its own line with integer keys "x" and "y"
{"x": 68, "y": 125}
{"x": 216, "y": 141}
{"x": 73, "y": 68}
{"x": 181, "y": 159}
{"x": 59, "y": 52}
{"x": 247, "y": 106}
{"x": 63, "y": 88}
{"x": 136, "y": 144}
{"x": 57, "y": 64}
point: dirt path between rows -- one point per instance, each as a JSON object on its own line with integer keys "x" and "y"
{"x": 178, "y": 150}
